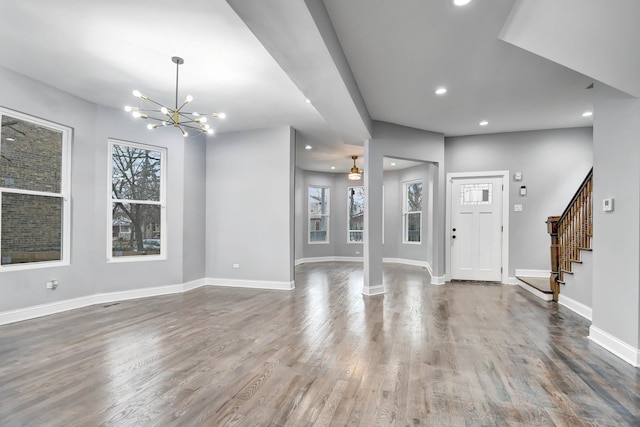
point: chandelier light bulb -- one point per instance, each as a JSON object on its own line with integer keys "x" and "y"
{"x": 210, "y": 131}
{"x": 128, "y": 108}
{"x": 136, "y": 114}
{"x": 185, "y": 133}
{"x": 189, "y": 99}
{"x": 222, "y": 115}
{"x": 164, "y": 110}
{"x": 195, "y": 114}
{"x": 137, "y": 94}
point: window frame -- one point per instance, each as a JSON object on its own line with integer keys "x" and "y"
{"x": 161, "y": 202}
{"x": 64, "y": 194}
{"x": 406, "y": 213}
{"x": 327, "y": 215}
{"x": 349, "y": 230}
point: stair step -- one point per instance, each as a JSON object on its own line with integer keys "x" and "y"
{"x": 540, "y": 283}
{"x": 567, "y": 272}
{"x": 586, "y": 249}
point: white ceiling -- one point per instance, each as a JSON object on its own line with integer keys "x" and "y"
{"x": 399, "y": 52}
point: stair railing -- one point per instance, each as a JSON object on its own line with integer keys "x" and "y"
{"x": 574, "y": 230}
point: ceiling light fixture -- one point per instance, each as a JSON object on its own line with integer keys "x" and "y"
{"x": 308, "y": 147}
{"x": 461, "y": 2}
{"x": 587, "y": 114}
{"x": 484, "y": 123}
{"x": 173, "y": 116}
{"x": 393, "y": 164}
{"x": 333, "y": 168}
{"x": 355, "y": 174}
{"x": 441, "y": 91}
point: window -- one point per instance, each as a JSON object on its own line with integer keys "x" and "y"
{"x": 412, "y": 212}
{"x": 476, "y": 194}
{"x": 34, "y": 192}
{"x": 318, "y": 214}
{"x": 355, "y": 214}
{"x": 137, "y": 202}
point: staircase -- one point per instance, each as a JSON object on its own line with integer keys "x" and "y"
{"x": 571, "y": 235}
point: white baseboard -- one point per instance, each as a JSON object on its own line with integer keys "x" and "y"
{"x": 437, "y": 280}
{"x": 423, "y": 264}
{"x": 404, "y": 261}
{"x": 624, "y": 351}
{"x": 328, "y": 259}
{"x": 534, "y": 291}
{"x": 575, "y": 306}
{"x": 512, "y": 281}
{"x": 251, "y": 284}
{"x": 532, "y": 273}
{"x": 373, "y": 290}
{"x": 72, "y": 304}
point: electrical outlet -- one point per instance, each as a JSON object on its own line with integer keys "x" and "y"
{"x": 236, "y": 265}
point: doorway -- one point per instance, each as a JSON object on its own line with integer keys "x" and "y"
{"x": 477, "y": 226}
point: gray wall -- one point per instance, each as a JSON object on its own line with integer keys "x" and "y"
{"x": 553, "y": 164}
{"x": 616, "y": 247}
{"x": 338, "y": 246}
{"x": 393, "y": 190}
{"x": 194, "y": 198}
{"x": 250, "y": 193}
{"x": 89, "y": 273}
{"x": 401, "y": 142}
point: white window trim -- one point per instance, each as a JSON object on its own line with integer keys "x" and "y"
{"x": 65, "y": 193}
{"x": 405, "y": 213}
{"x": 328, "y": 216}
{"x": 349, "y": 231}
{"x": 161, "y": 203}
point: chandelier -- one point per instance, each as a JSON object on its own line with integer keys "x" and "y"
{"x": 176, "y": 117}
{"x": 355, "y": 173}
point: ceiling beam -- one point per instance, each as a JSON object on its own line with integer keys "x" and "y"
{"x": 300, "y": 37}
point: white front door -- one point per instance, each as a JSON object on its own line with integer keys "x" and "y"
{"x": 476, "y": 228}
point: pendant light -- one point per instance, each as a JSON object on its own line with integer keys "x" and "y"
{"x": 355, "y": 174}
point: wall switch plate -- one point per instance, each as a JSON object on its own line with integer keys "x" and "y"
{"x": 607, "y": 205}
{"x": 517, "y": 176}
{"x": 517, "y": 208}
{"x": 236, "y": 265}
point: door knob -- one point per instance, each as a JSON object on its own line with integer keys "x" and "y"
{"x": 454, "y": 229}
{"x": 453, "y": 236}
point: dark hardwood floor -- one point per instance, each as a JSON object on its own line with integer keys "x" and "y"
{"x": 422, "y": 355}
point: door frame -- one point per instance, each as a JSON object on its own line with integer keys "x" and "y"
{"x": 504, "y": 174}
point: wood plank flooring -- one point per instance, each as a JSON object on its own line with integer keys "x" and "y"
{"x": 422, "y": 355}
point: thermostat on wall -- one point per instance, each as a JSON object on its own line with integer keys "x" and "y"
{"x": 607, "y": 205}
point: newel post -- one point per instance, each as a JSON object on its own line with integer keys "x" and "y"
{"x": 552, "y": 229}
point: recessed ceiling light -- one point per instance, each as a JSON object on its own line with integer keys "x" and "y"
{"x": 461, "y": 2}
{"x": 587, "y": 114}
{"x": 308, "y": 147}
{"x": 441, "y": 91}
{"x": 333, "y": 167}
{"x": 484, "y": 123}
{"x": 393, "y": 164}
{"x": 308, "y": 101}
